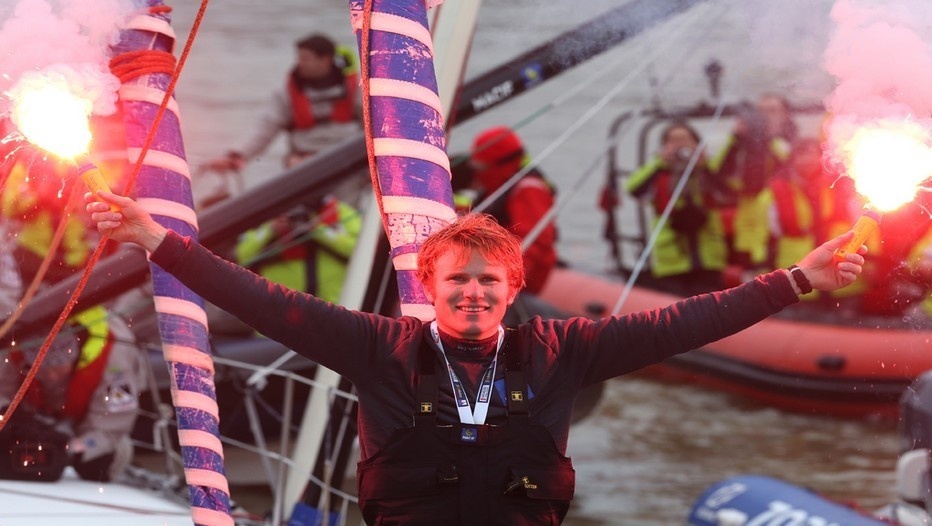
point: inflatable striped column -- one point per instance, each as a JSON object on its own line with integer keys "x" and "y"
{"x": 408, "y": 136}
{"x": 164, "y": 189}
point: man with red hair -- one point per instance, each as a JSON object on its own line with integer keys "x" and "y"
{"x": 461, "y": 421}
{"x": 497, "y": 156}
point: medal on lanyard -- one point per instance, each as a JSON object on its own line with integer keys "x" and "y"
{"x": 484, "y": 395}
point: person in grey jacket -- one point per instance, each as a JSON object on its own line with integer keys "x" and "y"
{"x": 317, "y": 106}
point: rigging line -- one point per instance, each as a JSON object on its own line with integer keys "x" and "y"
{"x": 609, "y": 68}
{"x": 129, "y": 508}
{"x": 365, "y": 50}
{"x": 691, "y": 51}
{"x": 255, "y": 428}
{"x": 661, "y": 221}
{"x": 574, "y": 127}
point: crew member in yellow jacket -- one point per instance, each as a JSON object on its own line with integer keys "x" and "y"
{"x": 304, "y": 250}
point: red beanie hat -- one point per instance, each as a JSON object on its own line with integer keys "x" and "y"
{"x": 497, "y": 146}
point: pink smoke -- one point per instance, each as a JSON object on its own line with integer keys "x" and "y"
{"x": 67, "y": 39}
{"x": 882, "y": 67}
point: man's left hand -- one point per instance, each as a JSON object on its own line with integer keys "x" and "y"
{"x": 825, "y": 272}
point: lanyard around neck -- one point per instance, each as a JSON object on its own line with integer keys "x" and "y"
{"x": 484, "y": 395}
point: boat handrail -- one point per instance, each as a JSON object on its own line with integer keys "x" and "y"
{"x": 163, "y": 419}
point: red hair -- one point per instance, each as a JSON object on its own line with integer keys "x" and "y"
{"x": 473, "y": 232}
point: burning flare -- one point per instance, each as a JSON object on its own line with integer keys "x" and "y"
{"x": 889, "y": 162}
{"x": 51, "y": 116}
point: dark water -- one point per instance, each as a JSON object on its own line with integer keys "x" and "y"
{"x": 653, "y": 447}
{"x": 650, "y": 448}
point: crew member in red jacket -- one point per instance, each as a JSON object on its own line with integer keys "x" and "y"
{"x": 497, "y": 156}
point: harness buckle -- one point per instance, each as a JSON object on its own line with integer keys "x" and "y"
{"x": 520, "y": 483}
{"x": 449, "y": 477}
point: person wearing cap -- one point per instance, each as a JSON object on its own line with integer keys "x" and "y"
{"x": 496, "y": 157}
{"x": 317, "y": 105}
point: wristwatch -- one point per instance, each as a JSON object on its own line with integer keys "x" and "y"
{"x": 800, "y": 278}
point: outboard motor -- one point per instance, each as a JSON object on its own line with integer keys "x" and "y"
{"x": 912, "y": 467}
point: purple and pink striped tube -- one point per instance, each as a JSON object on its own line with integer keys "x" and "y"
{"x": 163, "y": 188}
{"x": 407, "y": 131}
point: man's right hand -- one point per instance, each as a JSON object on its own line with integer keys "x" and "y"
{"x": 130, "y": 223}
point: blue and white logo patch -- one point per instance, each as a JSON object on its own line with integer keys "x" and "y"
{"x": 469, "y": 435}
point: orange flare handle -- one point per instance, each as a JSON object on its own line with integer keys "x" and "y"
{"x": 94, "y": 180}
{"x": 862, "y": 230}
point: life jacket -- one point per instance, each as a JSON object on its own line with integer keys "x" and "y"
{"x": 674, "y": 254}
{"x": 664, "y": 184}
{"x": 747, "y": 168}
{"x": 795, "y": 219}
{"x": 499, "y": 208}
{"x": 465, "y": 474}
{"x": 316, "y": 265}
{"x": 540, "y": 258}
{"x": 806, "y": 220}
{"x": 342, "y": 107}
{"x": 92, "y": 362}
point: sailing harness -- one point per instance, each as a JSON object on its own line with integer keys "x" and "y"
{"x": 469, "y": 472}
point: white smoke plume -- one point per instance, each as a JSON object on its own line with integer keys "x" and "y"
{"x": 881, "y": 64}
{"x": 66, "y": 39}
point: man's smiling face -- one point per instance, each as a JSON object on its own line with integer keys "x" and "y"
{"x": 470, "y": 294}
